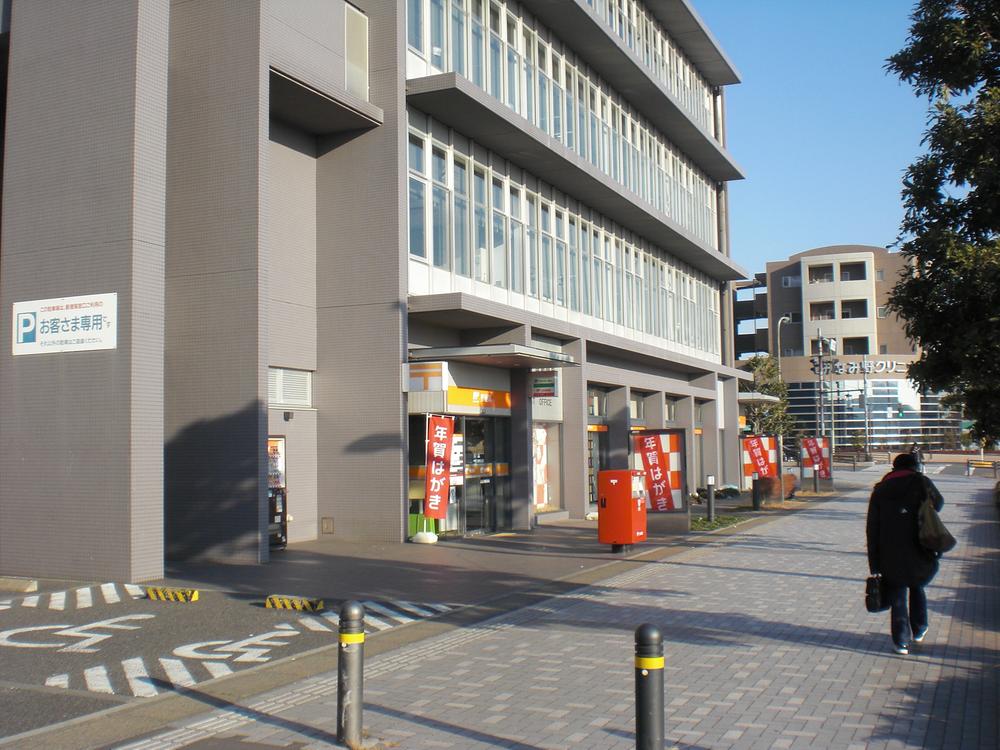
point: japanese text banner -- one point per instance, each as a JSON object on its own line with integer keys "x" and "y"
{"x": 656, "y": 462}
{"x": 440, "y": 432}
{"x": 758, "y": 453}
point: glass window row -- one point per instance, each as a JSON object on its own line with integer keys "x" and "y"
{"x": 497, "y": 50}
{"x": 479, "y": 223}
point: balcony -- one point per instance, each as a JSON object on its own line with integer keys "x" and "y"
{"x": 577, "y": 25}
{"x": 460, "y": 104}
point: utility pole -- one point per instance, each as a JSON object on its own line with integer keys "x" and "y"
{"x": 864, "y": 396}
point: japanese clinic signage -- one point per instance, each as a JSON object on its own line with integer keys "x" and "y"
{"x": 816, "y": 451}
{"x": 65, "y": 324}
{"x": 440, "y": 432}
{"x": 661, "y": 459}
{"x": 758, "y": 453}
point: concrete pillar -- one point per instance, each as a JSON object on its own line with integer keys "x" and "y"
{"x": 732, "y": 469}
{"x": 655, "y": 411}
{"x": 521, "y": 464}
{"x": 618, "y": 432}
{"x": 685, "y": 421}
{"x": 574, "y": 398}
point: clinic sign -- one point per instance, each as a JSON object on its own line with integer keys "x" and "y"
{"x": 65, "y": 324}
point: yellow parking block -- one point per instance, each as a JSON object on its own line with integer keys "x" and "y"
{"x": 293, "y": 602}
{"x": 172, "y": 595}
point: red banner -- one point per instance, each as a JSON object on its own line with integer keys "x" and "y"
{"x": 758, "y": 455}
{"x": 657, "y": 466}
{"x": 814, "y": 447}
{"x": 440, "y": 431}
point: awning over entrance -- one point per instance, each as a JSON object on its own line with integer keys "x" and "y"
{"x": 511, "y": 356}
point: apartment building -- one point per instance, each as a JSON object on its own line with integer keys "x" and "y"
{"x": 833, "y": 301}
{"x": 249, "y": 247}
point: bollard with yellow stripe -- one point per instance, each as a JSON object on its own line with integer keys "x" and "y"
{"x": 649, "y": 697}
{"x": 293, "y": 602}
{"x": 171, "y": 595}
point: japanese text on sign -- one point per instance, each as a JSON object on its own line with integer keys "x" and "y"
{"x": 755, "y": 447}
{"x": 65, "y": 324}
{"x": 440, "y": 432}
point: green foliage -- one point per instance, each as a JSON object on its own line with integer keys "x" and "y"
{"x": 949, "y": 297}
{"x": 767, "y": 418}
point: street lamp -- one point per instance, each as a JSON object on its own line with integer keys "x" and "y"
{"x": 781, "y": 438}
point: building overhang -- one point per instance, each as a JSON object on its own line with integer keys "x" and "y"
{"x": 458, "y": 103}
{"x": 754, "y": 398}
{"x": 577, "y": 24}
{"x": 509, "y": 356}
{"x": 317, "y": 112}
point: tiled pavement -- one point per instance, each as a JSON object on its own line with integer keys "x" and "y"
{"x": 767, "y": 642}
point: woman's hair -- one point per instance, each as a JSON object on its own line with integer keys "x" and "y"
{"x": 904, "y": 461}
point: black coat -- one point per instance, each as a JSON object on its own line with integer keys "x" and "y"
{"x": 893, "y": 548}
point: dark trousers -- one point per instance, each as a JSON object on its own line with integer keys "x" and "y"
{"x": 903, "y": 620}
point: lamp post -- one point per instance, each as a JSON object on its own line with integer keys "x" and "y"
{"x": 781, "y": 438}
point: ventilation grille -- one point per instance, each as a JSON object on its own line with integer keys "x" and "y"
{"x": 289, "y": 387}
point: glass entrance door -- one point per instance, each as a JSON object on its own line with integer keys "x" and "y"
{"x": 478, "y": 494}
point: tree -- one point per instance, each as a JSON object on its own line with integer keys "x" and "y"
{"x": 767, "y": 418}
{"x": 949, "y": 297}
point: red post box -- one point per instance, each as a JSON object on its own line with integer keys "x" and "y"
{"x": 621, "y": 507}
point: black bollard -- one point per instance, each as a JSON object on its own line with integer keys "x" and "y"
{"x": 755, "y": 491}
{"x": 350, "y": 674}
{"x": 711, "y": 502}
{"x": 648, "y": 688}
{"x": 816, "y": 478}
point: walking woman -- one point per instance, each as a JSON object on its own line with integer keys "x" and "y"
{"x": 894, "y": 551}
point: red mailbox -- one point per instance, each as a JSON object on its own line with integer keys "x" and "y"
{"x": 621, "y": 508}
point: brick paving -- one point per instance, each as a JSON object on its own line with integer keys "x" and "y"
{"x": 768, "y": 645}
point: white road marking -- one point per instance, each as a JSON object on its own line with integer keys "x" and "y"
{"x": 110, "y": 593}
{"x": 401, "y": 616}
{"x": 376, "y": 623}
{"x": 136, "y": 592}
{"x": 97, "y": 680}
{"x": 440, "y": 607}
{"x": 30, "y": 601}
{"x": 333, "y": 618}
{"x": 138, "y": 678}
{"x": 58, "y": 600}
{"x": 314, "y": 623}
{"x": 5, "y": 604}
{"x": 58, "y": 680}
{"x": 177, "y": 673}
{"x": 84, "y": 598}
{"x": 414, "y": 608}
{"x": 218, "y": 668}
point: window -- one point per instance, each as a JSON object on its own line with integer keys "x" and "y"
{"x": 480, "y": 251}
{"x": 858, "y": 345}
{"x": 791, "y": 281}
{"x": 437, "y": 33}
{"x": 879, "y": 275}
{"x": 854, "y": 308}
{"x": 882, "y": 311}
{"x": 883, "y": 349}
{"x": 415, "y": 24}
{"x": 821, "y": 311}
{"x": 460, "y": 213}
{"x": 440, "y": 202}
{"x": 820, "y": 274}
{"x": 356, "y": 51}
{"x": 417, "y": 199}
{"x": 636, "y": 407}
{"x": 794, "y": 316}
{"x": 597, "y": 402}
{"x": 289, "y": 387}
{"x": 670, "y": 407}
{"x": 499, "y": 249}
{"x": 852, "y": 271}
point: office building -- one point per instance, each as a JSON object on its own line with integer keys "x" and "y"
{"x": 858, "y": 391}
{"x": 251, "y": 245}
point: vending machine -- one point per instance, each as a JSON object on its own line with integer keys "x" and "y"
{"x": 277, "y": 493}
{"x": 621, "y": 508}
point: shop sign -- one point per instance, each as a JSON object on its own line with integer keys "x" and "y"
{"x": 815, "y": 448}
{"x": 662, "y": 464}
{"x": 757, "y": 451}
{"x": 869, "y": 367}
{"x": 65, "y": 324}
{"x": 440, "y": 431}
{"x": 478, "y": 398}
{"x": 544, "y": 385}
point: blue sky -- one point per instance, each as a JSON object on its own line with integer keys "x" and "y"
{"x": 822, "y": 132}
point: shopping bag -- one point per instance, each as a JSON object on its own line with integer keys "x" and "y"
{"x": 933, "y": 534}
{"x": 876, "y": 599}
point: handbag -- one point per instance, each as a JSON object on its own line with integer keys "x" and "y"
{"x": 932, "y": 534}
{"x": 876, "y": 599}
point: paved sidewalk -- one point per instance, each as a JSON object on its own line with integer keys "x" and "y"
{"x": 768, "y": 646}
